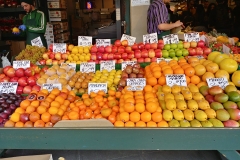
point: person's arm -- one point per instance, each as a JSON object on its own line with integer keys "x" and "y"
{"x": 41, "y": 24}
{"x": 166, "y": 26}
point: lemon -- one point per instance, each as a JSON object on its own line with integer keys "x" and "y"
{"x": 85, "y": 50}
{"x": 104, "y": 71}
{"x": 118, "y": 76}
{"x": 75, "y": 58}
{"x": 81, "y": 57}
{"x": 110, "y": 77}
{"x": 116, "y": 81}
{"x": 74, "y": 50}
{"x": 78, "y": 62}
{"x": 119, "y": 72}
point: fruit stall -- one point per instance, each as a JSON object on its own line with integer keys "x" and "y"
{"x": 162, "y": 95}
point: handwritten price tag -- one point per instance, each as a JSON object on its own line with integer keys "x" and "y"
{"x": 176, "y": 79}
{"x": 199, "y": 57}
{"x": 108, "y": 65}
{"x": 150, "y": 38}
{"x": 103, "y": 42}
{"x": 95, "y": 87}
{"x": 50, "y": 86}
{"x": 37, "y": 42}
{"x": 21, "y": 64}
{"x": 84, "y": 40}
{"x": 167, "y": 39}
{"x": 8, "y": 87}
{"x": 59, "y": 47}
{"x": 170, "y": 39}
{"x": 221, "y": 82}
{"x": 71, "y": 65}
{"x": 88, "y": 67}
{"x": 125, "y": 63}
{"x": 226, "y": 49}
{"x": 140, "y": 2}
{"x": 131, "y": 40}
{"x": 189, "y": 37}
{"x": 163, "y": 59}
{"x": 136, "y": 84}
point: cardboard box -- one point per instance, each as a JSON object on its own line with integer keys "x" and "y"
{"x": 17, "y": 47}
{"x": 56, "y": 5}
{"x": 35, "y": 157}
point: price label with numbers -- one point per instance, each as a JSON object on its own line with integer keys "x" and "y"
{"x": 59, "y": 47}
{"x": 226, "y": 49}
{"x": 95, "y": 87}
{"x": 221, "y": 82}
{"x": 37, "y": 42}
{"x": 8, "y": 87}
{"x": 21, "y": 64}
{"x": 176, "y": 79}
{"x": 150, "y": 38}
{"x": 131, "y": 40}
{"x": 84, "y": 40}
{"x": 51, "y": 86}
{"x": 140, "y": 2}
{"x": 189, "y": 37}
{"x": 167, "y": 39}
{"x": 103, "y": 42}
{"x": 170, "y": 39}
{"x": 199, "y": 57}
{"x": 163, "y": 59}
{"x": 136, "y": 84}
{"x": 71, "y": 65}
{"x": 108, "y": 65}
{"x": 88, "y": 67}
{"x": 125, "y": 63}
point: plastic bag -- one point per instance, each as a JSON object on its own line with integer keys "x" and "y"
{"x": 5, "y": 61}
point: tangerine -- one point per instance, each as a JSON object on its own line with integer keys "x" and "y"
{"x": 34, "y": 116}
{"x": 119, "y": 124}
{"x": 41, "y": 109}
{"x": 146, "y": 116}
{"x": 195, "y": 79}
{"x": 151, "y": 124}
{"x": 200, "y": 69}
{"x": 140, "y": 107}
{"x": 129, "y": 124}
{"x": 25, "y": 103}
{"x": 124, "y": 116}
{"x": 45, "y": 117}
{"x": 9, "y": 123}
{"x": 152, "y": 81}
{"x": 162, "y": 124}
{"x": 151, "y": 107}
{"x": 141, "y": 124}
{"x": 73, "y": 115}
{"x": 134, "y": 116}
{"x": 39, "y": 124}
{"x": 19, "y": 124}
{"x": 157, "y": 117}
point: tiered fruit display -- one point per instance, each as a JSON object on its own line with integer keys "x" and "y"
{"x": 78, "y": 54}
{"x": 32, "y": 53}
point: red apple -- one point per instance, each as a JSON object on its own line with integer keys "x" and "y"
{"x": 147, "y": 60}
{"x": 160, "y": 46}
{"x": 151, "y": 53}
{"x": 105, "y": 56}
{"x": 5, "y": 79}
{"x": 93, "y": 56}
{"x": 94, "y": 49}
{"x": 153, "y": 45}
{"x": 192, "y": 52}
{"x": 44, "y": 69}
{"x": 199, "y": 51}
{"x": 50, "y": 47}
{"x": 186, "y": 45}
{"x": 45, "y": 56}
{"x": 193, "y": 44}
{"x": 19, "y": 72}
{"x": 117, "y": 43}
{"x": 22, "y": 81}
{"x": 121, "y": 49}
{"x": 124, "y": 56}
{"x": 154, "y": 59}
{"x": 52, "y": 56}
{"x": 108, "y": 49}
{"x": 29, "y": 72}
{"x": 114, "y": 49}
{"x": 201, "y": 44}
{"x": 10, "y": 72}
{"x": 144, "y": 53}
{"x": 14, "y": 79}
{"x": 134, "y": 47}
{"x": 99, "y": 56}
{"x": 58, "y": 56}
{"x": 27, "y": 89}
{"x": 140, "y": 46}
{"x": 140, "y": 60}
{"x": 42, "y": 62}
{"x": 147, "y": 46}
{"x": 130, "y": 55}
{"x": 36, "y": 88}
{"x": 64, "y": 56}
{"x": 110, "y": 56}
{"x": 207, "y": 51}
{"x": 31, "y": 81}
{"x": 37, "y": 75}
{"x": 5, "y": 69}
{"x": 117, "y": 56}
{"x": 158, "y": 53}
{"x": 19, "y": 89}
{"x": 101, "y": 49}
{"x": 137, "y": 54}
{"x": 124, "y": 43}
{"x": 128, "y": 49}
{"x": 55, "y": 62}
{"x": 160, "y": 41}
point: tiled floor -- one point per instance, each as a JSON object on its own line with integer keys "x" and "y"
{"x": 121, "y": 155}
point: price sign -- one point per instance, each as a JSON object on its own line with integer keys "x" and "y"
{"x": 140, "y": 2}
{"x": 59, "y": 47}
{"x": 189, "y": 37}
{"x": 51, "y": 86}
{"x": 167, "y": 39}
{"x": 8, "y": 87}
{"x": 88, "y": 67}
{"x": 37, "y": 42}
{"x": 231, "y": 41}
{"x": 125, "y": 63}
{"x": 150, "y": 38}
{"x": 21, "y": 64}
{"x": 108, "y": 65}
{"x": 199, "y": 57}
{"x": 176, "y": 79}
{"x": 103, "y": 42}
{"x": 226, "y": 49}
{"x": 95, "y": 87}
{"x": 84, "y": 40}
{"x": 170, "y": 39}
{"x": 136, "y": 84}
{"x": 131, "y": 40}
{"x": 159, "y": 60}
{"x": 221, "y": 82}
{"x": 71, "y": 65}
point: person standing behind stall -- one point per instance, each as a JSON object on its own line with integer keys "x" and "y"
{"x": 158, "y": 19}
{"x": 34, "y": 23}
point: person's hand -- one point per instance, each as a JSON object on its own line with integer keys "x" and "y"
{"x": 22, "y": 27}
{"x": 179, "y": 24}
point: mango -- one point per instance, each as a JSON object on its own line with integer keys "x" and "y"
{"x": 198, "y": 96}
{"x": 231, "y": 123}
{"x": 181, "y": 104}
{"x": 230, "y": 105}
{"x": 175, "y": 89}
{"x": 171, "y": 104}
{"x": 188, "y": 114}
{"x": 162, "y": 104}
{"x": 210, "y": 113}
{"x": 167, "y": 115}
{"x": 195, "y": 123}
{"x": 204, "y": 90}
{"x": 193, "y": 88}
{"x": 174, "y": 123}
{"x": 203, "y": 104}
{"x": 216, "y": 105}
{"x": 206, "y": 123}
{"x": 160, "y": 89}
{"x": 209, "y": 98}
{"x": 238, "y": 104}
{"x": 168, "y": 96}
{"x": 230, "y": 88}
{"x": 166, "y": 89}
{"x": 184, "y": 88}
{"x": 178, "y": 114}
{"x": 216, "y": 122}
{"x": 178, "y": 96}
{"x": 234, "y": 114}
{"x": 221, "y": 97}
{"x": 192, "y": 105}
{"x": 160, "y": 95}
{"x": 215, "y": 90}
{"x": 222, "y": 115}
{"x": 234, "y": 96}
{"x": 200, "y": 115}
{"x": 184, "y": 123}
{"x": 187, "y": 95}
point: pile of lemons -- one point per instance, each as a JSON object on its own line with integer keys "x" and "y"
{"x": 79, "y": 54}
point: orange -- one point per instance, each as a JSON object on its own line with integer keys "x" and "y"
{"x": 30, "y": 109}
{"x": 162, "y": 80}
{"x": 28, "y": 124}
{"x": 178, "y": 71}
{"x": 48, "y": 99}
{"x": 157, "y": 74}
{"x": 35, "y": 103}
{"x": 156, "y": 68}
{"x": 152, "y": 81}
{"x": 9, "y": 123}
{"x": 24, "y": 104}
{"x": 41, "y": 109}
{"x": 73, "y": 115}
{"x": 140, "y": 107}
{"x": 45, "y": 104}
{"x": 135, "y": 116}
{"x": 130, "y": 100}
{"x": 207, "y": 75}
{"x": 212, "y": 67}
{"x": 111, "y": 92}
{"x": 52, "y": 96}
{"x": 72, "y": 105}
{"x": 165, "y": 67}
{"x": 19, "y": 124}
{"x": 124, "y": 116}
{"x": 182, "y": 60}
{"x": 101, "y": 93}
{"x": 45, "y": 91}
{"x": 146, "y": 116}
{"x": 46, "y": 117}
{"x": 129, "y": 107}
{"x": 118, "y": 94}
{"x": 39, "y": 123}
{"x": 65, "y": 90}
{"x": 48, "y": 125}
{"x": 60, "y": 99}
{"x": 55, "y": 104}
{"x": 175, "y": 67}
{"x": 138, "y": 93}
{"x": 129, "y": 124}
{"x": 98, "y": 98}
{"x": 201, "y": 84}
{"x": 189, "y": 71}
{"x": 193, "y": 59}
{"x": 159, "y": 109}
{"x": 71, "y": 98}
{"x": 112, "y": 119}
{"x": 151, "y": 124}
{"x": 182, "y": 63}
{"x": 99, "y": 116}
{"x": 163, "y": 124}
{"x": 188, "y": 79}
{"x": 141, "y": 124}
{"x": 53, "y": 110}
{"x": 167, "y": 71}
{"x": 15, "y": 117}
{"x": 157, "y": 117}
{"x": 185, "y": 66}
{"x": 88, "y": 101}
{"x": 66, "y": 103}
{"x": 87, "y": 115}
{"x": 140, "y": 100}
{"x": 119, "y": 124}
{"x": 93, "y": 106}
{"x": 55, "y": 91}
{"x": 148, "y": 88}
{"x": 151, "y": 107}
{"x": 149, "y": 95}
{"x": 20, "y": 110}
{"x": 205, "y": 63}
{"x": 34, "y": 116}
{"x": 193, "y": 64}
{"x": 85, "y": 95}
{"x": 200, "y": 69}
{"x": 195, "y": 79}
{"x": 60, "y": 112}
{"x": 173, "y": 62}
{"x": 115, "y": 109}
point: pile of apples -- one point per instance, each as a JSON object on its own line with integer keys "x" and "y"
{"x": 197, "y": 48}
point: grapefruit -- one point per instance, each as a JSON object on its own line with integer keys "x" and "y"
{"x": 236, "y": 78}
{"x": 228, "y": 65}
{"x": 212, "y": 55}
{"x": 199, "y": 70}
{"x": 220, "y": 57}
{"x": 222, "y": 74}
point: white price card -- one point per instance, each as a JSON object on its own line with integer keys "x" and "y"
{"x": 176, "y": 79}
{"x": 21, "y": 64}
{"x": 95, "y": 87}
{"x": 131, "y": 40}
{"x": 190, "y": 37}
{"x": 140, "y": 2}
{"x": 221, "y": 82}
{"x": 59, "y": 47}
{"x": 88, "y": 67}
{"x": 71, "y": 65}
{"x": 199, "y": 57}
{"x": 8, "y": 87}
{"x": 167, "y": 39}
{"x": 84, "y": 40}
{"x": 150, "y": 38}
{"x": 226, "y": 49}
{"x": 136, "y": 84}
{"x": 159, "y": 60}
{"x": 170, "y": 39}
{"x": 125, "y": 63}
{"x": 37, "y": 42}
{"x": 51, "y": 86}
{"x": 108, "y": 65}
{"x": 103, "y": 42}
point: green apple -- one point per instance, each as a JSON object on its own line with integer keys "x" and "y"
{"x": 180, "y": 46}
{"x": 167, "y": 47}
{"x": 179, "y": 53}
{"x": 173, "y": 46}
{"x": 165, "y": 53}
{"x": 185, "y": 52}
{"x": 181, "y": 57}
{"x": 172, "y": 54}
{"x": 175, "y": 58}
{"x": 180, "y": 42}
